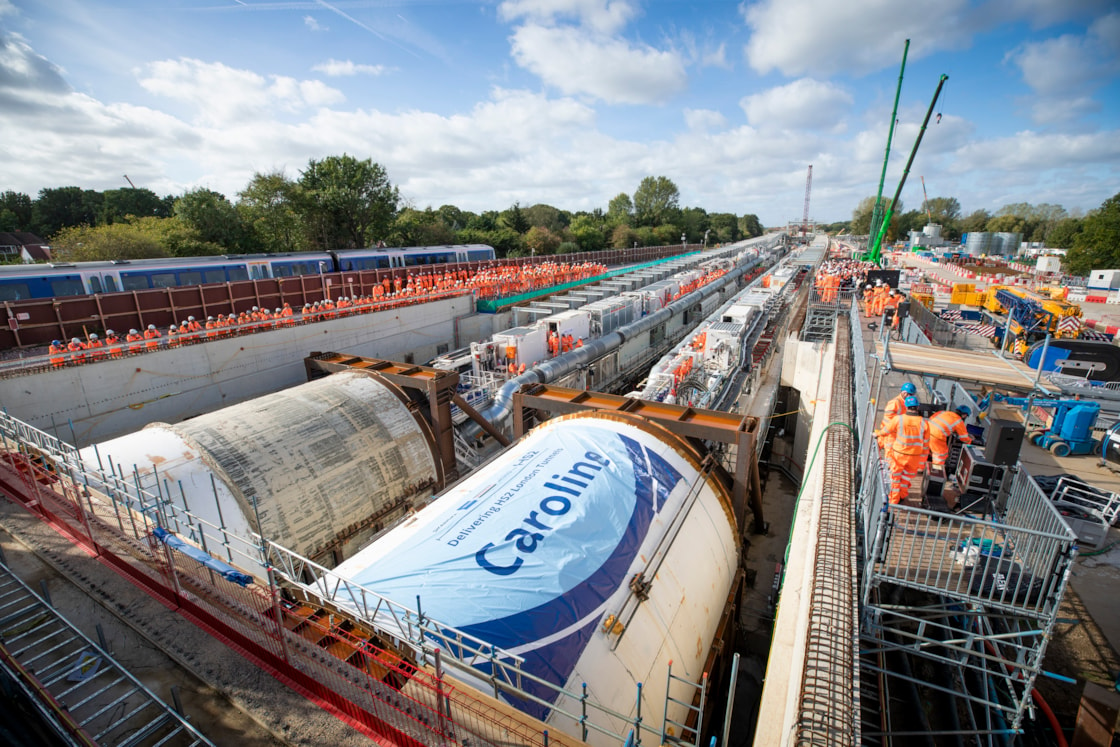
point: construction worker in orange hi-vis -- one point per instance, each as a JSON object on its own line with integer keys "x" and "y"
{"x": 134, "y": 338}
{"x": 895, "y": 407}
{"x": 57, "y": 352}
{"x": 96, "y": 347}
{"x": 151, "y": 338}
{"x": 113, "y": 343}
{"x": 77, "y": 350}
{"x": 942, "y": 425}
{"x": 909, "y": 450}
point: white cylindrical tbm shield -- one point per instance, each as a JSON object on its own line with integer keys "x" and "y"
{"x": 596, "y": 549}
{"x": 318, "y": 468}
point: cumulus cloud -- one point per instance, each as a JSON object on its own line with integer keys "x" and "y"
{"x": 335, "y": 68}
{"x": 801, "y": 105}
{"x": 609, "y": 69}
{"x": 1035, "y": 152}
{"x": 601, "y": 16}
{"x": 314, "y": 25}
{"x": 704, "y": 119}
{"x": 21, "y": 68}
{"x": 1066, "y": 70}
{"x": 223, "y": 95}
{"x": 824, "y": 37}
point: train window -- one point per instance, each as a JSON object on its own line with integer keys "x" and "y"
{"x": 134, "y": 282}
{"x": 478, "y": 255}
{"x": 383, "y": 263}
{"x": 215, "y": 276}
{"x": 238, "y": 273}
{"x": 192, "y": 277}
{"x": 346, "y": 265}
{"x": 94, "y": 284}
{"x": 14, "y": 291}
{"x": 67, "y": 287}
{"x": 110, "y": 284}
{"x": 259, "y": 272}
{"x": 282, "y": 271}
{"x": 163, "y": 280}
{"x": 410, "y": 260}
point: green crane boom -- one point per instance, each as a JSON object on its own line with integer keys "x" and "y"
{"x": 875, "y": 246}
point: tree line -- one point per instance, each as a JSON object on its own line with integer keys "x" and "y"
{"x": 1092, "y": 240}
{"x": 341, "y": 202}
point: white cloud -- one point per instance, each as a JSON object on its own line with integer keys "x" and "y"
{"x": 1066, "y": 70}
{"x": 314, "y": 25}
{"x": 223, "y": 95}
{"x": 704, "y": 119}
{"x": 602, "y": 16}
{"x": 804, "y": 104}
{"x": 1035, "y": 152}
{"x": 336, "y": 68}
{"x": 6, "y": 8}
{"x": 715, "y": 57}
{"x": 824, "y": 37}
{"x": 612, "y": 70}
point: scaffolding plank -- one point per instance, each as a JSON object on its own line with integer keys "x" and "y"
{"x": 980, "y": 367}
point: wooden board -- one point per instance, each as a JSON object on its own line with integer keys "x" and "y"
{"x": 977, "y": 366}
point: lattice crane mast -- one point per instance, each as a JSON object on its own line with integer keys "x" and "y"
{"x": 808, "y": 189}
{"x": 925, "y": 198}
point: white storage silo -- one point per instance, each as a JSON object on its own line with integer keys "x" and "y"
{"x": 322, "y": 465}
{"x": 595, "y": 548}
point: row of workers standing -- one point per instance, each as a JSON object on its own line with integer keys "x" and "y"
{"x": 510, "y": 280}
{"x": 836, "y": 275}
{"x": 908, "y": 440}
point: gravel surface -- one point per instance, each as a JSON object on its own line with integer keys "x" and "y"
{"x": 227, "y": 697}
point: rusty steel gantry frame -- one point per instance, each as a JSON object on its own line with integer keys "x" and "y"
{"x": 691, "y": 423}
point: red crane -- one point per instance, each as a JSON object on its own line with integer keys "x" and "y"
{"x": 808, "y": 188}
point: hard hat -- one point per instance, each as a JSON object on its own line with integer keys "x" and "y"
{"x": 75, "y": 341}
{"x": 255, "y": 309}
{"x": 964, "y": 411}
{"x": 911, "y": 402}
{"x": 277, "y": 310}
{"x": 869, "y": 285}
{"x": 110, "y": 332}
{"x": 894, "y": 292}
{"x": 57, "y": 342}
{"x": 190, "y": 318}
{"x": 92, "y": 336}
{"x": 209, "y": 318}
{"x": 133, "y": 332}
{"x": 909, "y": 388}
{"x": 151, "y": 326}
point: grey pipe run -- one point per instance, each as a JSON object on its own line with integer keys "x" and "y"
{"x": 592, "y": 350}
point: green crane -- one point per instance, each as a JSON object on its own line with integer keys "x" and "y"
{"x": 877, "y": 212}
{"x": 875, "y": 245}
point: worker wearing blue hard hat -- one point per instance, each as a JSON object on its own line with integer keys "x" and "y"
{"x": 944, "y": 424}
{"x": 909, "y": 449}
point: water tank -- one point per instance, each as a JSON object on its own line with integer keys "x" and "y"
{"x": 595, "y": 548}
{"x": 317, "y": 468}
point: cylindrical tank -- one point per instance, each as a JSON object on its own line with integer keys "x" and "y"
{"x": 596, "y": 548}
{"x": 321, "y": 466}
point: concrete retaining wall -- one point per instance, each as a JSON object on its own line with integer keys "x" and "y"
{"x": 114, "y": 397}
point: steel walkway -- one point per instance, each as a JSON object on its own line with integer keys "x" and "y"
{"x": 79, "y": 689}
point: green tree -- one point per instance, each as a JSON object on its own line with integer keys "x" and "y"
{"x": 1062, "y": 235}
{"x": 623, "y": 237}
{"x": 420, "y": 228}
{"x": 1097, "y": 247}
{"x": 214, "y": 218}
{"x": 15, "y": 211}
{"x": 541, "y": 240}
{"x": 104, "y": 243}
{"x": 725, "y": 228}
{"x": 861, "y": 217}
{"x": 506, "y": 241}
{"x": 454, "y": 217}
{"x": 270, "y": 207}
{"x": 485, "y": 221}
{"x": 945, "y": 210}
{"x": 547, "y": 216}
{"x": 118, "y": 204}
{"x": 62, "y": 207}
{"x": 694, "y": 222}
{"x": 656, "y": 201}
{"x": 975, "y": 221}
{"x": 620, "y": 210}
{"x": 666, "y": 234}
{"x": 348, "y": 204}
{"x": 589, "y": 232}
{"x": 514, "y": 219}
{"x": 751, "y": 227}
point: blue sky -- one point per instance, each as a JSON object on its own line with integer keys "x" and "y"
{"x": 569, "y": 102}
